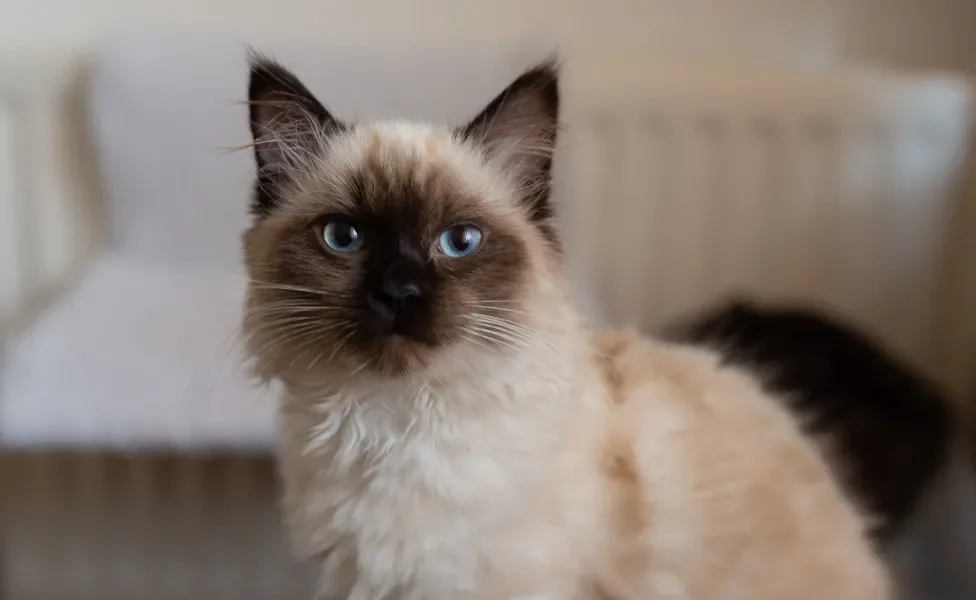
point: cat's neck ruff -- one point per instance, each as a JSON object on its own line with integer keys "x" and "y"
{"x": 364, "y": 413}
{"x": 474, "y": 445}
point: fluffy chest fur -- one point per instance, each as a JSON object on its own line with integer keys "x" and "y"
{"x": 473, "y": 493}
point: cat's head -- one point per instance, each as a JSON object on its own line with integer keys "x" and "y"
{"x": 382, "y": 247}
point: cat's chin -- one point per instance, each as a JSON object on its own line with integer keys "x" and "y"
{"x": 395, "y": 358}
{"x": 398, "y": 355}
{"x": 405, "y": 359}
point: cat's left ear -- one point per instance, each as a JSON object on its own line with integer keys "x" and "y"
{"x": 289, "y": 127}
{"x": 517, "y": 131}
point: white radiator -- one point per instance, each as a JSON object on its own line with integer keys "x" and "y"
{"x": 680, "y": 186}
{"x": 840, "y": 189}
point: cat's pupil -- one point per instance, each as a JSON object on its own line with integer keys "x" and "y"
{"x": 461, "y": 238}
{"x": 344, "y": 234}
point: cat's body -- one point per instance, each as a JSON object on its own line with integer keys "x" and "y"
{"x": 885, "y": 429}
{"x": 606, "y": 492}
{"x": 451, "y": 429}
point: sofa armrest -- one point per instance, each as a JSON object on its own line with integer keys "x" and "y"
{"x": 49, "y": 221}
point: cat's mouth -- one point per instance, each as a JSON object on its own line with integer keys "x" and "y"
{"x": 399, "y": 354}
{"x": 409, "y": 342}
{"x": 404, "y": 328}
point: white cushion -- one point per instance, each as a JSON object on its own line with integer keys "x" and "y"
{"x": 137, "y": 355}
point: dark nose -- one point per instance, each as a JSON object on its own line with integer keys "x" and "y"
{"x": 395, "y": 298}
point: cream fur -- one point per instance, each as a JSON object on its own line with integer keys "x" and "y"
{"x": 616, "y": 468}
{"x": 597, "y": 466}
{"x": 515, "y": 496}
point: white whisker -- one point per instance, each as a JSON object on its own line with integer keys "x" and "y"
{"x": 514, "y": 328}
{"x": 270, "y": 285}
{"x": 497, "y": 338}
{"x": 339, "y": 345}
{"x": 500, "y": 309}
{"x": 287, "y": 333}
{"x": 511, "y": 342}
{"x": 472, "y": 336}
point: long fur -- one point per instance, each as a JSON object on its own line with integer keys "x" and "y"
{"x": 505, "y": 451}
{"x": 885, "y": 429}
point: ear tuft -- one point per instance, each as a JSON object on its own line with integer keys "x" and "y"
{"x": 517, "y": 131}
{"x": 288, "y": 125}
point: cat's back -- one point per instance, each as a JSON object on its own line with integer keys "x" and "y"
{"x": 883, "y": 426}
{"x": 719, "y": 495}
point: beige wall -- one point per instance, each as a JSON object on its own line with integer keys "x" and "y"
{"x": 913, "y": 33}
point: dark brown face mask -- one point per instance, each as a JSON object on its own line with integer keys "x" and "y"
{"x": 388, "y": 262}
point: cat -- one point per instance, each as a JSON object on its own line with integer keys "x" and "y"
{"x": 890, "y": 435}
{"x": 887, "y": 430}
{"x": 451, "y": 429}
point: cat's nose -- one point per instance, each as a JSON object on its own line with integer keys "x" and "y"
{"x": 395, "y": 298}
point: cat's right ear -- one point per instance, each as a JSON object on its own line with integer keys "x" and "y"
{"x": 289, "y": 128}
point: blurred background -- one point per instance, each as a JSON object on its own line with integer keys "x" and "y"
{"x": 807, "y": 150}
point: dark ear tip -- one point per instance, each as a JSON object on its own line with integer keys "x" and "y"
{"x": 254, "y": 56}
{"x": 259, "y": 61}
{"x": 545, "y": 74}
{"x": 551, "y": 66}
{"x": 542, "y": 80}
{"x": 264, "y": 71}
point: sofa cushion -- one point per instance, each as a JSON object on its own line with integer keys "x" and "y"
{"x": 138, "y": 355}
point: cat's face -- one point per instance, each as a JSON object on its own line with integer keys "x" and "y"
{"x": 381, "y": 247}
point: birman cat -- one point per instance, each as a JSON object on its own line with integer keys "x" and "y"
{"x": 451, "y": 429}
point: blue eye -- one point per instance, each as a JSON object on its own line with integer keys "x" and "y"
{"x": 460, "y": 241}
{"x": 341, "y": 236}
